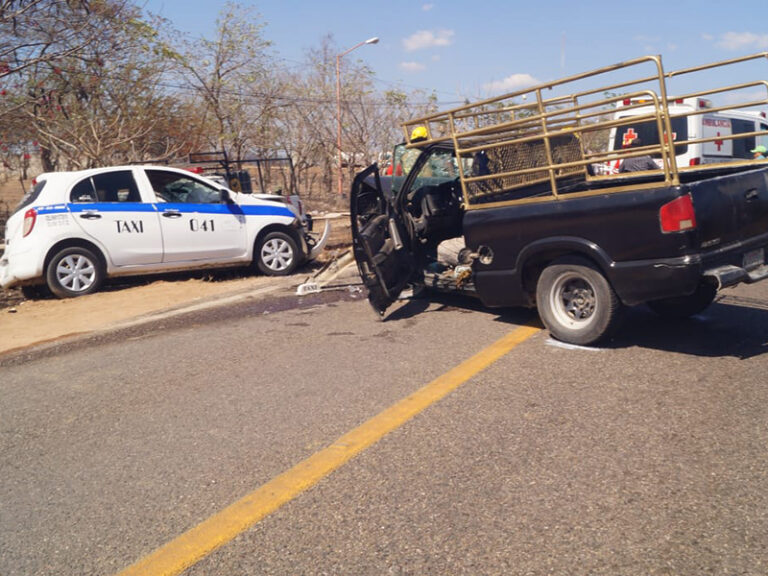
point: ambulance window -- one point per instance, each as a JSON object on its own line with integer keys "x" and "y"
{"x": 763, "y": 140}
{"x": 742, "y": 146}
{"x": 649, "y": 134}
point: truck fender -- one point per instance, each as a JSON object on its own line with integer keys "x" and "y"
{"x": 535, "y": 256}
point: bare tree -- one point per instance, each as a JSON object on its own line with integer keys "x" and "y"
{"x": 87, "y": 83}
{"x": 90, "y": 93}
{"x": 231, "y": 75}
{"x": 370, "y": 120}
{"x": 35, "y": 31}
{"x": 305, "y": 126}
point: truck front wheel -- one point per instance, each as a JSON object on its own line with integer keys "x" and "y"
{"x": 576, "y": 303}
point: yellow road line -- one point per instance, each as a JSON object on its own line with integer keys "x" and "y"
{"x": 192, "y": 546}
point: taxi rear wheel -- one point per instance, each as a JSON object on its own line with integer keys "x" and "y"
{"x": 277, "y": 254}
{"x": 74, "y": 271}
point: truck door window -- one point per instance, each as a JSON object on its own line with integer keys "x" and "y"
{"x": 402, "y": 163}
{"x": 440, "y": 167}
{"x": 438, "y": 174}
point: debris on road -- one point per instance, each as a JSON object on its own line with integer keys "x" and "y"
{"x": 340, "y": 265}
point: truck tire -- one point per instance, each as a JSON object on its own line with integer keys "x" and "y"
{"x": 74, "y": 271}
{"x": 576, "y": 303}
{"x": 277, "y": 254}
{"x": 685, "y": 306}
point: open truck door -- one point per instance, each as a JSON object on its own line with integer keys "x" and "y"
{"x": 380, "y": 241}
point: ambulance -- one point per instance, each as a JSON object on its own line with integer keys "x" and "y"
{"x": 704, "y": 137}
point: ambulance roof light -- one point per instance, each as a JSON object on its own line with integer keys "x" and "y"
{"x": 628, "y": 101}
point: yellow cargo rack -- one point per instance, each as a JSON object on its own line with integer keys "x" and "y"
{"x": 541, "y": 137}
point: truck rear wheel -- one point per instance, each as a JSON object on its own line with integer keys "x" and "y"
{"x": 685, "y": 306}
{"x": 575, "y": 301}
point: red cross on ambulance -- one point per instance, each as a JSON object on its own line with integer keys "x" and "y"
{"x": 719, "y": 143}
{"x": 629, "y": 136}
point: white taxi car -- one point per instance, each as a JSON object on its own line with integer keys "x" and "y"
{"x": 74, "y": 229}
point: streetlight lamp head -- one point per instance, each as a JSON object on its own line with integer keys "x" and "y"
{"x": 374, "y": 40}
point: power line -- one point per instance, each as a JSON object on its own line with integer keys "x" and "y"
{"x": 257, "y": 95}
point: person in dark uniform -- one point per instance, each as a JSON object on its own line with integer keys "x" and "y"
{"x": 637, "y": 163}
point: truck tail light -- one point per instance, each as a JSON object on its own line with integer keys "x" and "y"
{"x": 30, "y": 217}
{"x": 678, "y": 215}
{"x": 694, "y": 162}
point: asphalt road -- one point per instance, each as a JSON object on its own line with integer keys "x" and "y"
{"x": 647, "y": 456}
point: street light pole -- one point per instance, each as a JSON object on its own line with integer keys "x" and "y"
{"x": 338, "y": 103}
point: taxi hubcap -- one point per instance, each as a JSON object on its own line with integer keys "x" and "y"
{"x": 76, "y": 273}
{"x": 277, "y": 254}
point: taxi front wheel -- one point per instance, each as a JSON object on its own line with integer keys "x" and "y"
{"x": 277, "y": 254}
{"x": 74, "y": 271}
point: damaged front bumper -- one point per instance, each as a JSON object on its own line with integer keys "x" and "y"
{"x": 317, "y": 245}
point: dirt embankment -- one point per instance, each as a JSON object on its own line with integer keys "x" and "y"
{"x": 24, "y": 322}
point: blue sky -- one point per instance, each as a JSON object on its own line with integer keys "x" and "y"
{"x": 473, "y": 49}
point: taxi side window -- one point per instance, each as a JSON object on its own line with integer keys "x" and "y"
{"x": 111, "y": 187}
{"x": 83, "y": 192}
{"x": 173, "y": 187}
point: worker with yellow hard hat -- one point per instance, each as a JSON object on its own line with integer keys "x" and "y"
{"x": 418, "y": 133}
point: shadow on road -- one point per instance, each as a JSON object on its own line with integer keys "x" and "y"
{"x": 734, "y": 326}
{"x": 459, "y": 303}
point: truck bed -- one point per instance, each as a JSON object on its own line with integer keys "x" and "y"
{"x": 618, "y": 227}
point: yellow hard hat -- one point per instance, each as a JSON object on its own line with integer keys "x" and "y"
{"x": 419, "y": 133}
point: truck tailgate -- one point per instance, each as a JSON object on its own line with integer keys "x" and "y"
{"x": 732, "y": 209}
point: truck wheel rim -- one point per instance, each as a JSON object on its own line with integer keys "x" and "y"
{"x": 573, "y": 301}
{"x": 76, "y": 273}
{"x": 277, "y": 254}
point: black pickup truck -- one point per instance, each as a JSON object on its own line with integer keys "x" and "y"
{"x": 522, "y": 217}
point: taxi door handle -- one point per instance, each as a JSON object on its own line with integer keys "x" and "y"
{"x": 172, "y": 214}
{"x": 90, "y": 216}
